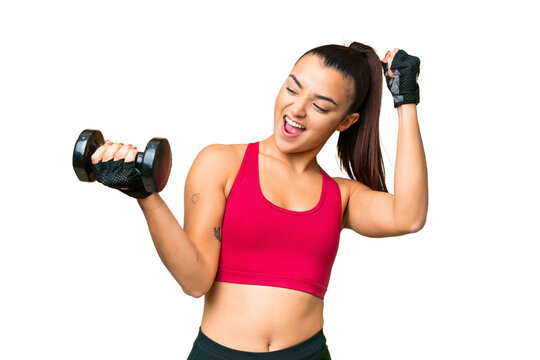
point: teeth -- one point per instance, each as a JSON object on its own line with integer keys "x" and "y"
{"x": 292, "y": 123}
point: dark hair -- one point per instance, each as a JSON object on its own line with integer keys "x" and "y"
{"x": 359, "y": 146}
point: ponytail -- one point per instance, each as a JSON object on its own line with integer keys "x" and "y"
{"x": 358, "y": 147}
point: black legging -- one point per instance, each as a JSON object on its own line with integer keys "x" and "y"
{"x": 314, "y": 348}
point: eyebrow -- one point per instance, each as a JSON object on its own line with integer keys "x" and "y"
{"x": 316, "y": 95}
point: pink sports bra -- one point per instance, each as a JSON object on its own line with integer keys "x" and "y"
{"x": 264, "y": 244}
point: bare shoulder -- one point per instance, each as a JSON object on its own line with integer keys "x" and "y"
{"x": 221, "y": 161}
{"x": 218, "y": 153}
{"x": 348, "y": 186}
{"x": 343, "y": 183}
{"x": 215, "y": 154}
{"x": 216, "y": 157}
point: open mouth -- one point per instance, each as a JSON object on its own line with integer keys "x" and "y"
{"x": 291, "y": 129}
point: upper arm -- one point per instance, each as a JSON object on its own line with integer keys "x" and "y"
{"x": 371, "y": 213}
{"x": 204, "y": 205}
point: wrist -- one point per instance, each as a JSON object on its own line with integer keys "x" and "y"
{"x": 150, "y": 203}
{"x": 406, "y": 109}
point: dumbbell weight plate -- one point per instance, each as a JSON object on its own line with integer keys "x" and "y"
{"x": 155, "y": 164}
{"x": 88, "y": 142}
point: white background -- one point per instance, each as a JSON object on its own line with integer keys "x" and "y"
{"x": 80, "y": 277}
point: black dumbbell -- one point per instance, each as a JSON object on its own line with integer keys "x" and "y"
{"x": 154, "y": 164}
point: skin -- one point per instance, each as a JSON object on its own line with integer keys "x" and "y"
{"x": 260, "y": 318}
{"x": 388, "y": 59}
{"x": 116, "y": 151}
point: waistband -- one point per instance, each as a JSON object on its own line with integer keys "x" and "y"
{"x": 315, "y": 343}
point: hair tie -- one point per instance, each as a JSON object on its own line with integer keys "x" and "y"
{"x": 358, "y": 51}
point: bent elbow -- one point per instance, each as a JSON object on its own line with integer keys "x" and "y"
{"x": 417, "y": 226}
{"x": 195, "y": 294}
{"x": 199, "y": 292}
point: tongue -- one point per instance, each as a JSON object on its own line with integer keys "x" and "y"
{"x": 292, "y": 129}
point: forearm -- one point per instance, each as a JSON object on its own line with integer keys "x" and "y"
{"x": 177, "y": 252}
{"x": 410, "y": 178}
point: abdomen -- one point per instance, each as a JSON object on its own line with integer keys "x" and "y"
{"x": 260, "y": 318}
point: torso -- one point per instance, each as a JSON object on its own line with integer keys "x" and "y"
{"x": 260, "y": 318}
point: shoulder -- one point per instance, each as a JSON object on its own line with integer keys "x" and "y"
{"x": 348, "y": 186}
{"x": 220, "y": 156}
{"x": 220, "y": 160}
{"x": 215, "y": 153}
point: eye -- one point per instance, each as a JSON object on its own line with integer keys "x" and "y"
{"x": 290, "y": 90}
{"x": 324, "y": 111}
{"x": 321, "y": 109}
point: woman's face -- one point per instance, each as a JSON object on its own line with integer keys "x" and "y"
{"x": 317, "y": 98}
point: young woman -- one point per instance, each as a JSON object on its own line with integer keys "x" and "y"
{"x": 262, "y": 220}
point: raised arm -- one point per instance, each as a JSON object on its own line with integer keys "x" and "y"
{"x": 379, "y": 214}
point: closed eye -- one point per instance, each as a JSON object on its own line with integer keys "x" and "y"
{"x": 316, "y": 106}
{"x": 321, "y": 109}
{"x": 290, "y": 90}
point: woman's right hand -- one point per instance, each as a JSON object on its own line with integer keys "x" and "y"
{"x": 114, "y": 166}
{"x": 115, "y": 151}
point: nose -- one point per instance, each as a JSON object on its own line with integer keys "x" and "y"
{"x": 299, "y": 107}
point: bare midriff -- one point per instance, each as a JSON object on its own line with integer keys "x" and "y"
{"x": 259, "y": 318}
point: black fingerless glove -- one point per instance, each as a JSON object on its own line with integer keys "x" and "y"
{"x": 404, "y": 87}
{"x": 120, "y": 175}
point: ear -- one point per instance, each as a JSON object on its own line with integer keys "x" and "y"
{"x": 347, "y": 122}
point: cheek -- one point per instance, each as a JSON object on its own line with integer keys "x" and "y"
{"x": 323, "y": 124}
{"x": 279, "y": 101}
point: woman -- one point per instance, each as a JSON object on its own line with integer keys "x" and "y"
{"x": 262, "y": 220}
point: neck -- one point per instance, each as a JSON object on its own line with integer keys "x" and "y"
{"x": 298, "y": 161}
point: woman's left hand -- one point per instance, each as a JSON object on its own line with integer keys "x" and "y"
{"x": 401, "y": 71}
{"x": 388, "y": 59}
